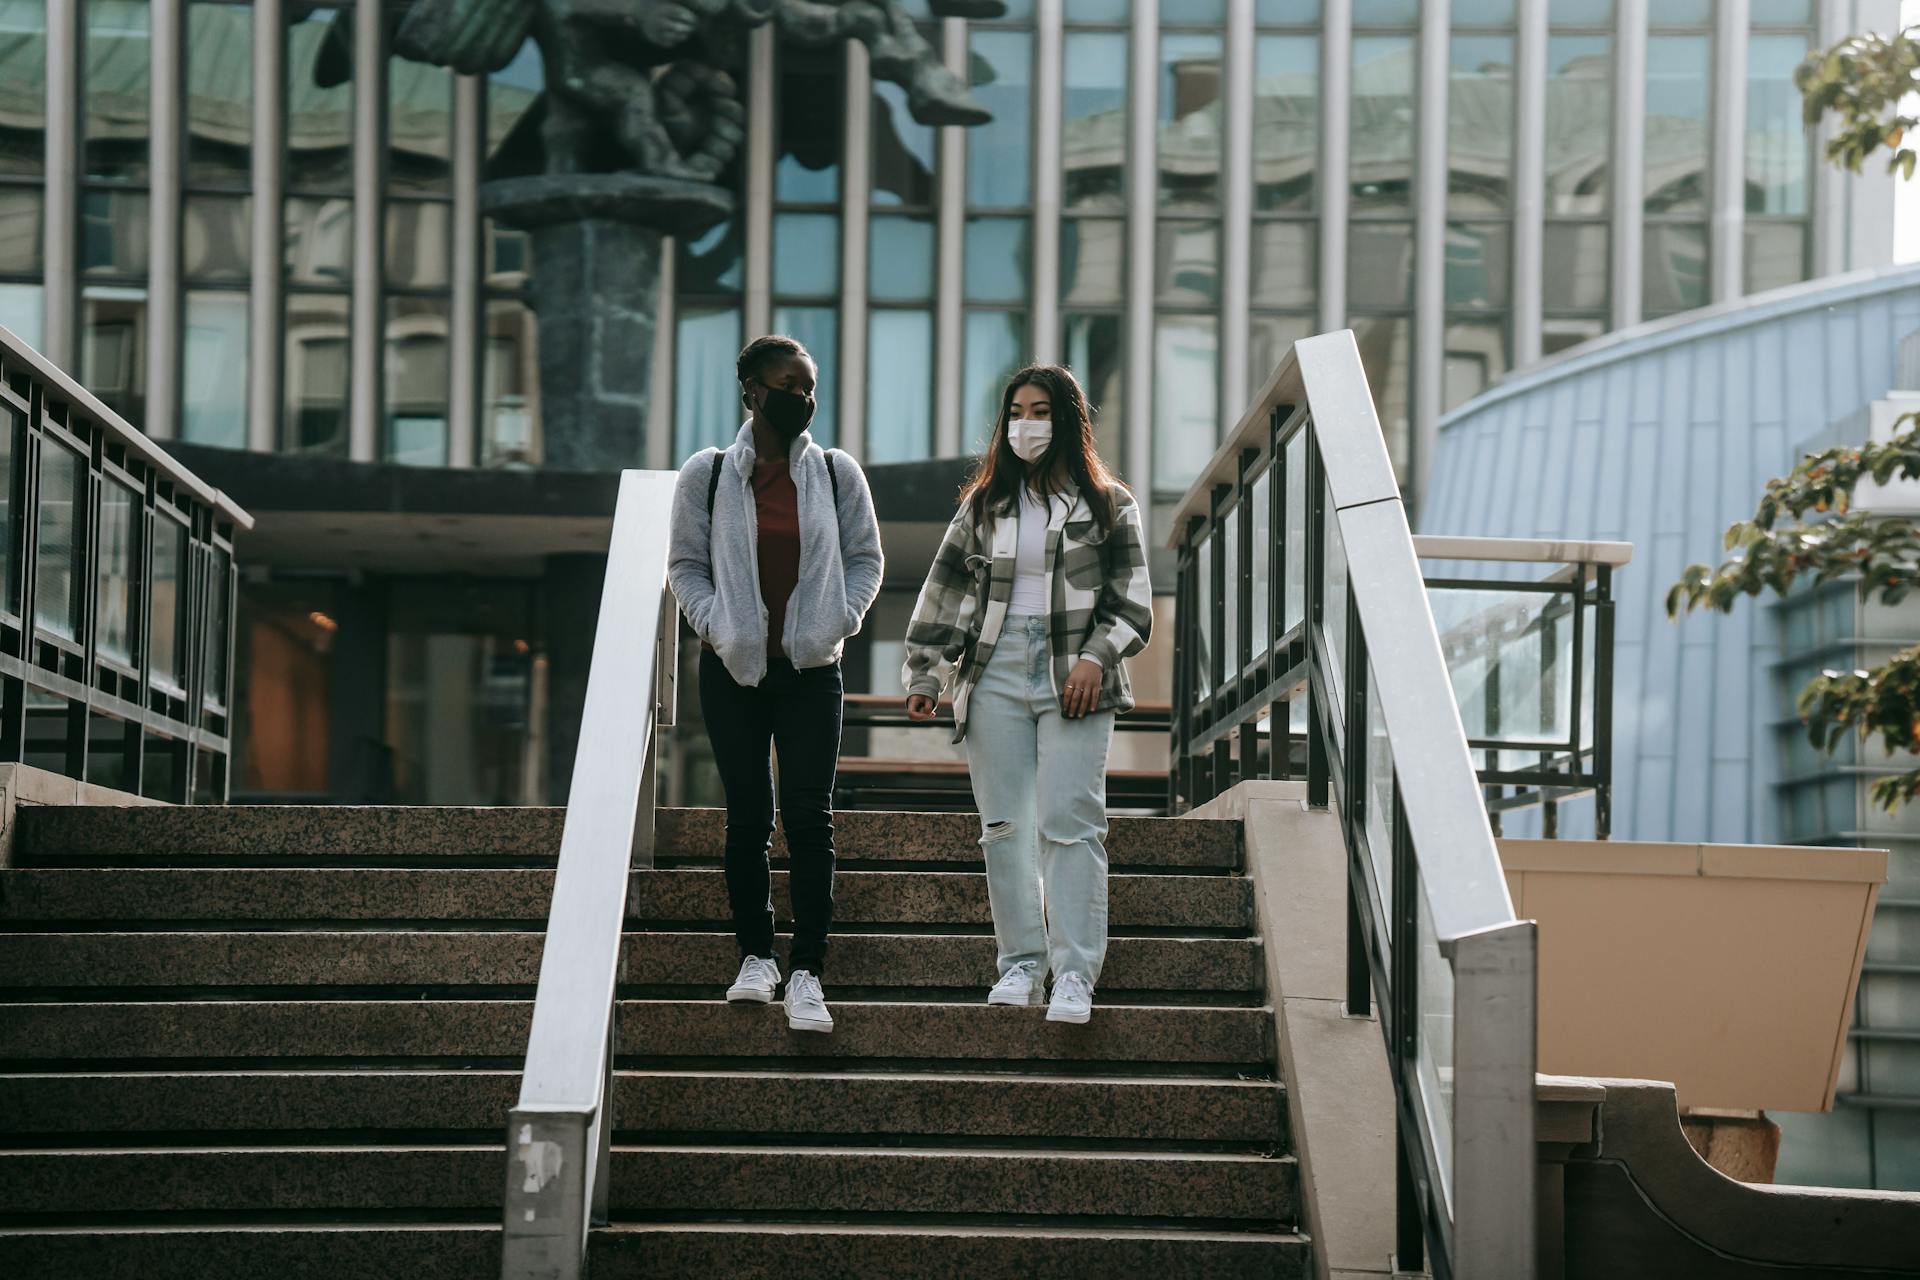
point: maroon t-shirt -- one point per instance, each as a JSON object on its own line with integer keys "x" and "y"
{"x": 777, "y": 506}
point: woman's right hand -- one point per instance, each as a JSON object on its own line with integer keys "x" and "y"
{"x": 920, "y": 707}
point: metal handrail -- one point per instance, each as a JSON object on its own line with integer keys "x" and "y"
{"x": 1431, "y": 929}
{"x": 558, "y": 1137}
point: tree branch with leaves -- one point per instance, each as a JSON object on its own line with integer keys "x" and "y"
{"x": 1804, "y": 528}
{"x": 1869, "y": 81}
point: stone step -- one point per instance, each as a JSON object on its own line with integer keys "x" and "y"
{"x": 661, "y": 1182}
{"x": 659, "y": 1252}
{"x": 320, "y": 833}
{"x": 110, "y": 962}
{"x": 104, "y": 1032}
{"x": 45, "y": 1109}
{"x": 29, "y": 896}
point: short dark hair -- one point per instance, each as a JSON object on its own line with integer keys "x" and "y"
{"x": 761, "y": 352}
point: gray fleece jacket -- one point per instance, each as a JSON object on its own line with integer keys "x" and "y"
{"x": 714, "y": 564}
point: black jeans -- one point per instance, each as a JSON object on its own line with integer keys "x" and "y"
{"x": 797, "y": 713}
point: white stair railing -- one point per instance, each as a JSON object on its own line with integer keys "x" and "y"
{"x": 558, "y": 1136}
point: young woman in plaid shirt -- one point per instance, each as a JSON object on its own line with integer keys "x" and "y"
{"x": 1038, "y": 594}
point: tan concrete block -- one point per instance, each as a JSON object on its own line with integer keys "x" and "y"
{"x": 1298, "y": 864}
{"x": 1789, "y": 862}
{"x": 1600, "y": 857}
{"x": 1344, "y": 1129}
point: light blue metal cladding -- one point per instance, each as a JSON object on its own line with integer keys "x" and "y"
{"x": 1662, "y": 435}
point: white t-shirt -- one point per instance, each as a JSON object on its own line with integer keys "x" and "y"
{"x": 1030, "y": 594}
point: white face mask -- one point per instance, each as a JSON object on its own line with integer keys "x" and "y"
{"x": 1029, "y": 438}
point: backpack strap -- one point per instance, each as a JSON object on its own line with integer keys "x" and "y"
{"x": 833, "y": 475}
{"x": 713, "y": 480}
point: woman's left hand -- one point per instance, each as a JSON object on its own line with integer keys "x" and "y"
{"x": 1082, "y": 693}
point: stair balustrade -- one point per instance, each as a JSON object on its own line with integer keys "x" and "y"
{"x": 558, "y": 1136}
{"x": 117, "y": 584}
{"x": 1296, "y": 557}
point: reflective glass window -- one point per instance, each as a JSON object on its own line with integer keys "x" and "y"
{"x": 22, "y": 224}
{"x": 216, "y": 237}
{"x": 1480, "y": 124}
{"x": 998, "y": 153}
{"x": 319, "y": 113}
{"x": 997, "y": 264}
{"x": 806, "y": 253}
{"x": 1482, "y": 13}
{"x": 1575, "y": 270}
{"x": 23, "y": 310}
{"x": 316, "y": 373}
{"x": 712, "y": 262}
{"x": 1286, "y": 264}
{"x": 1097, "y": 356}
{"x": 706, "y": 398}
{"x": 1093, "y": 134}
{"x": 1380, "y": 264}
{"x": 818, "y": 330}
{"x": 1269, "y": 340}
{"x": 23, "y": 88}
{"x": 419, "y": 243}
{"x": 219, "y": 93}
{"x": 905, "y": 152}
{"x": 1287, "y": 13}
{"x": 1476, "y": 357}
{"x": 899, "y": 385}
{"x": 1286, "y": 114}
{"x": 1679, "y": 141}
{"x": 1193, "y": 12}
{"x": 213, "y": 373}
{"x": 511, "y": 94}
{"x": 1386, "y": 13}
{"x": 1671, "y": 14}
{"x": 1186, "y": 401}
{"x": 811, "y": 132}
{"x": 510, "y": 387}
{"x": 419, "y": 128}
{"x": 1674, "y": 270}
{"x": 1187, "y": 264}
{"x": 114, "y": 99}
{"x": 1478, "y": 255}
{"x": 1093, "y": 259}
{"x": 113, "y": 352}
{"x": 996, "y": 344}
{"x": 1780, "y": 13}
{"x": 1777, "y": 151}
{"x": 319, "y": 240}
{"x": 900, "y": 261}
{"x": 1580, "y": 13}
{"x": 1776, "y": 254}
{"x": 1089, "y": 11}
{"x": 1579, "y": 123}
{"x": 113, "y": 232}
{"x": 415, "y": 381}
{"x": 1383, "y": 124}
{"x": 1190, "y": 136}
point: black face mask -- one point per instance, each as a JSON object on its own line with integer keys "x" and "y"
{"x": 787, "y": 412}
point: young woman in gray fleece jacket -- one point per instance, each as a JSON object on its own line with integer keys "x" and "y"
{"x": 775, "y": 561}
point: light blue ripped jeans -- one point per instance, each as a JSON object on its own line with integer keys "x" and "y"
{"x": 1040, "y": 782}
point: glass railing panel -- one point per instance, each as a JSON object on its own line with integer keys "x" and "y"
{"x": 169, "y": 584}
{"x": 1261, "y": 497}
{"x": 1333, "y": 622}
{"x": 114, "y": 620}
{"x": 12, "y": 425}
{"x": 1433, "y": 1059}
{"x": 1295, "y": 605}
{"x": 1228, "y": 538}
{"x": 1510, "y": 656}
{"x": 1378, "y": 799}
{"x": 61, "y": 563}
{"x": 1203, "y": 618}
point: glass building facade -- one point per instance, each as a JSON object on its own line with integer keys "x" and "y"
{"x": 272, "y": 239}
{"x": 252, "y": 226}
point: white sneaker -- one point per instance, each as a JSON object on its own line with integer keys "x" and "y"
{"x": 1072, "y": 999}
{"x": 758, "y": 977}
{"x": 806, "y": 1006}
{"x": 1019, "y": 985}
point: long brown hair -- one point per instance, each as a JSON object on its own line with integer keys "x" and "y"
{"x": 995, "y": 484}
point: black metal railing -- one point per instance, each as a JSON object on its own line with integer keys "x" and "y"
{"x": 117, "y": 586}
{"x": 1306, "y": 646}
{"x": 1530, "y": 657}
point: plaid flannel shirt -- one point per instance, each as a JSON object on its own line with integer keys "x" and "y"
{"x": 1102, "y": 601}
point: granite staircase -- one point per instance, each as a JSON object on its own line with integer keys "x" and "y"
{"x": 283, "y": 1043}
